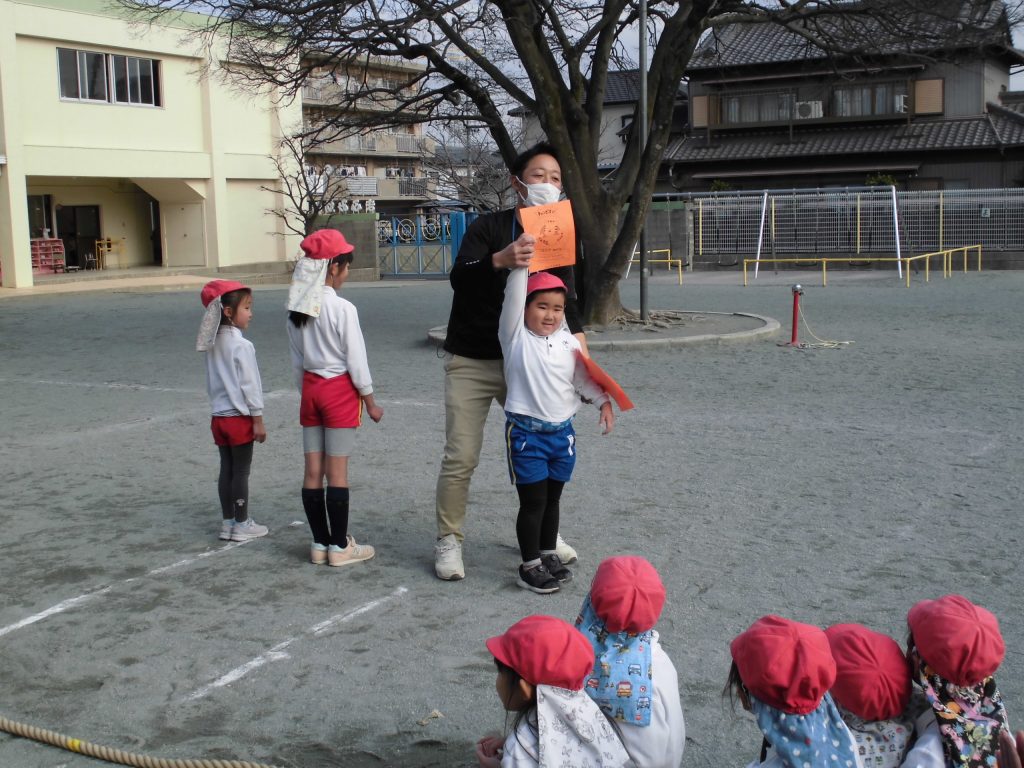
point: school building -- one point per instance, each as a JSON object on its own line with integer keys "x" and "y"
{"x": 123, "y": 145}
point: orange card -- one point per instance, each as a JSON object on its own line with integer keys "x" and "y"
{"x": 606, "y": 382}
{"x": 555, "y": 232}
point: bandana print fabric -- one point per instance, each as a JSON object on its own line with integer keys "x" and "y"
{"x": 880, "y": 743}
{"x": 307, "y": 288}
{"x": 209, "y": 326}
{"x": 970, "y": 717}
{"x": 819, "y": 739}
{"x": 572, "y": 732}
{"x": 621, "y": 682}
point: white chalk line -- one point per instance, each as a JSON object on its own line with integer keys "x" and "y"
{"x": 277, "y": 653}
{"x": 73, "y": 602}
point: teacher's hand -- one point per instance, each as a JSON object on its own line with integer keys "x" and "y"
{"x": 515, "y": 254}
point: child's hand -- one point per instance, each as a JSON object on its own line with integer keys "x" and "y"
{"x": 488, "y": 751}
{"x": 259, "y": 431}
{"x": 375, "y": 411}
{"x": 1010, "y": 749}
{"x": 607, "y": 421}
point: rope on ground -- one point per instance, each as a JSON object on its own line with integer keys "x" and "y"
{"x": 115, "y": 755}
{"x": 822, "y": 343}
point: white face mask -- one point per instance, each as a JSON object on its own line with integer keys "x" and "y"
{"x": 540, "y": 194}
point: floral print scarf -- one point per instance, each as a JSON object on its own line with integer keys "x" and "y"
{"x": 970, "y": 717}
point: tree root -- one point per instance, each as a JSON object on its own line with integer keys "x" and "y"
{"x": 629, "y": 320}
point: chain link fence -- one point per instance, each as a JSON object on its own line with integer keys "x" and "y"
{"x": 724, "y": 228}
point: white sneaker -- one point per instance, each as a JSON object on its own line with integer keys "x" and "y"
{"x": 248, "y": 529}
{"x": 565, "y": 553}
{"x": 448, "y": 558}
{"x": 225, "y": 529}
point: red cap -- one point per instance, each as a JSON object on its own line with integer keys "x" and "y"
{"x": 627, "y": 594}
{"x": 325, "y": 244}
{"x": 958, "y": 639}
{"x": 544, "y": 650}
{"x": 543, "y": 281}
{"x": 872, "y": 675}
{"x": 785, "y": 664}
{"x": 216, "y": 288}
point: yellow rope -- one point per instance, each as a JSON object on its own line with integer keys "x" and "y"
{"x": 115, "y": 755}
{"x": 822, "y": 343}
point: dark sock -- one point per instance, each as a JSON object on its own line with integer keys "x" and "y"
{"x": 337, "y": 511}
{"x": 316, "y": 514}
{"x": 532, "y": 503}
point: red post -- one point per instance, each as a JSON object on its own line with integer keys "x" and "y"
{"x": 797, "y": 292}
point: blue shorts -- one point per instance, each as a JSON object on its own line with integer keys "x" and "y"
{"x": 535, "y": 455}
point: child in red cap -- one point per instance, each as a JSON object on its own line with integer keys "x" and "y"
{"x": 545, "y": 381}
{"x": 782, "y": 671}
{"x": 633, "y": 680}
{"x": 331, "y": 370}
{"x": 954, "y": 649}
{"x": 236, "y": 400}
{"x": 872, "y": 691}
{"x": 542, "y": 662}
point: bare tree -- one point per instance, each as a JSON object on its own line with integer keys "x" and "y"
{"x": 469, "y": 168}
{"x": 551, "y": 57}
{"x": 308, "y": 192}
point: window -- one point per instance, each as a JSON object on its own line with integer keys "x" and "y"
{"x": 756, "y": 107}
{"x": 869, "y": 99}
{"x": 88, "y": 76}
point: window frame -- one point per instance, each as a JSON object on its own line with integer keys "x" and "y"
{"x": 124, "y": 78}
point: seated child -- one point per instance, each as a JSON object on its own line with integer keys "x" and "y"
{"x": 872, "y": 691}
{"x": 954, "y": 649}
{"x": 782, "y": 671}
{"x": 542, "y": 662}
{"x": 633, "y": 681}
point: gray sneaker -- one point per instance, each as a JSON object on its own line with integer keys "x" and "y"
{"x": 225, "y": 529}
{"x": 248, "y": 529}
{"x": 448, "y": 558}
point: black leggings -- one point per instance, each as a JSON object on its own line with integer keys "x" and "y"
{"x": 233, "y": 482}
{"x": 537, "y": 524}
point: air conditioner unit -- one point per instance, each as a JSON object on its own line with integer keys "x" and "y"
{"x": 806, "y": 110}
{"x": 902, "y": 103}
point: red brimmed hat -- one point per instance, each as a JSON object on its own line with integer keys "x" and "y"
{"x": 216, "y": 288}
{"x": 544, "y": 650}
{"x": 785, "y": 664}
{"x": 325, "y": 244}
{"x": 958, "y": 639}
{"x": 627, "y": 594}
{"x": 872, "y": 675}
{"x": 543, "y": 281}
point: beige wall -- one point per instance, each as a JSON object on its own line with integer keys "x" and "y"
{"x": 202, "y": 154}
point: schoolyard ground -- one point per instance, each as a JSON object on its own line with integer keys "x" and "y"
{"x": 824, "y": 484}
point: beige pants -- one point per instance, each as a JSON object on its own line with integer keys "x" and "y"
{"x": 469, "y": 387}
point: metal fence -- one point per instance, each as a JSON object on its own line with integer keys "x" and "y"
{"x": 726, "y": 227}
{"x": 419, "y": 244}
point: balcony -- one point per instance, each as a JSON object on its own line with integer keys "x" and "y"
{"x": 387, "y": 189}
{"x": 325, "y": 92}
{"x": 379, "y": 144}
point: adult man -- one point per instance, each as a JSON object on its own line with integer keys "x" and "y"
{"x": 493, "y": 244}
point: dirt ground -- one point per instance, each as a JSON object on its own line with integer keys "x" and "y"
{"x": 824, "y": 484}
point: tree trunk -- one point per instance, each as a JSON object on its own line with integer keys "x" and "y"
{"x": 601, "y": 301}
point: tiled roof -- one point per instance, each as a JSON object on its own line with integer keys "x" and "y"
{"x": 749, "y": 43}
{"x": 998, "y": 128}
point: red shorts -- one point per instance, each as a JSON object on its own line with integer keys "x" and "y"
{"x": 232, "y": 430}
{"x": 332, "y": 403}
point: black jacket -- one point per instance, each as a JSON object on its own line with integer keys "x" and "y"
{"x": 480, "y": 289}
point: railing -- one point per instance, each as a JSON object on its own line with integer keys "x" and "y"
{"x": 904, "y": 261}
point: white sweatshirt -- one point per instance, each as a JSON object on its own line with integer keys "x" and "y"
{"x": 660, "y": 744}
{"x": 232, "y": 377}
{"x": 332, "y": 344}
{"x": 543, "y": 375}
